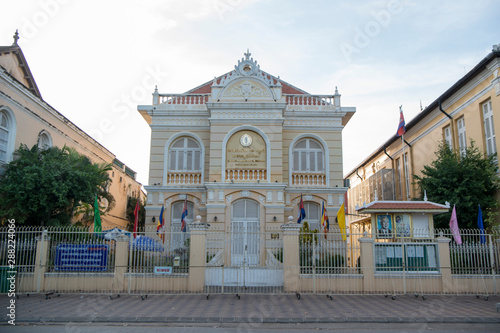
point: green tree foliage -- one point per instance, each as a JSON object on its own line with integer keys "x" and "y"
{"x": 131, "y": 202}
{"x": 464, "y": 181}
{"x": 44, "y": 187}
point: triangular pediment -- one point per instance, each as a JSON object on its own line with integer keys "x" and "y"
{"x": 247, "y": 70}
{"x": 13, "y": 61}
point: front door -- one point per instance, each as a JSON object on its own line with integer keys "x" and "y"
{"x": 245, "y": 233}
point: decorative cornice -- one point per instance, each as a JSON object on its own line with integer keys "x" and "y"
{"x": 245, "y": 114}
{"x": 312, "y": 122}
{"x": 179, "y": 122}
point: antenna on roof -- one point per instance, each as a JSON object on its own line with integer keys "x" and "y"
{"x": 16, "y": 37}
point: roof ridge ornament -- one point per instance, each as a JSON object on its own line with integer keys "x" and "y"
{"x": 16, "y": 37}
{"x": 247, "y": 55}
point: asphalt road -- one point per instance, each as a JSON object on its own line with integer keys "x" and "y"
{"x": 250, "y": 327}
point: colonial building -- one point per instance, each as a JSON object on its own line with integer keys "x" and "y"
{"x": 468, "y": 110}
{"x": 26, "y": 118}
{"x": 243, "y": 148}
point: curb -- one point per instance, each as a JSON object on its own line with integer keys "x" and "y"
{"x": 324, "y": 320}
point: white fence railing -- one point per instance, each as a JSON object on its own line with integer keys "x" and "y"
{"x": 249, "y": 258}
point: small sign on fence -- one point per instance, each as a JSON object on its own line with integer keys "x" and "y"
{"x": 81, "y": 257}
{"x": 163, "y": 270}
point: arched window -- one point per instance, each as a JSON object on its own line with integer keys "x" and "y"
{"x": 7, "y": 132}
{"x": 313, "y": 215}
{"x": 44, "y": 140}
{"x": 184, "y": 155}
{"x": 308, "y": 156}
{"x": 179, "y": 237}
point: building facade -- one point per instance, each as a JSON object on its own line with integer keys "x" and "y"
{"x": 243, "y": 148}
{"x": 25, "y": 118}
{"x": 468, "y": 110}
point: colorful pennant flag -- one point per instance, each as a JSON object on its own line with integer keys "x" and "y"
{"x": 401, "y": 126}
{"x": 325, "y": 222}
{"x": 454, "y": 227}
{"x": 481, "y": 226}
{"x": 159, "y": 226}
{"x": 184, "y": 215}
{"x": 136, "y": 217}
{"x": 97, "y": 218}
{"x": 341, "y": 222}
{"x": 302, "y": 211}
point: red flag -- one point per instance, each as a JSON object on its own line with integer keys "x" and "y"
{"x": 454, "y": 227}
{"x": 401, "y": 126}
{"x": 184, "y": 215}
{"x": 136, "y": 218}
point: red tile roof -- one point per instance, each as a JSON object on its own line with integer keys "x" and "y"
{"x": 206, "y": 88}
{"x": 402, "y": 206}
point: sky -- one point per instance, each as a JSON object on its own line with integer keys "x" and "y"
{"x": 95, "y": 61}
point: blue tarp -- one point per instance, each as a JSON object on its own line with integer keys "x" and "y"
{"x": 144, "y": 243}
{"x": 112, "y": 234}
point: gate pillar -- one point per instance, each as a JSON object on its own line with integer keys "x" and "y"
{"x": 197, "y": 255}
{"x": 367, "y": 264}
{"x": 291, "y": 263}
{"x": 445, "y": 264}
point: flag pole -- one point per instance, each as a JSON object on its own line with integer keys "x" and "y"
{"x": 405, "y": 162}
{"x": 405, "y": 166}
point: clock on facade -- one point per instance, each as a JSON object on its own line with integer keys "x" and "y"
{"x": 246, "y": 140}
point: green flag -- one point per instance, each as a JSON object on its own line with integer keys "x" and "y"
{"x": 97, "y": 217}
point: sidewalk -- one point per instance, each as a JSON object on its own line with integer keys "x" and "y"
{"x": 254, "y": 308}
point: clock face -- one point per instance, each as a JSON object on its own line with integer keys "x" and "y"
{"x": 246, "y": 140}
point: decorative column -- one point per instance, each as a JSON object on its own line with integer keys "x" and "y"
{"x": 291, "y": 255}
{"x": 42, "y": 253}
{"x": 197, "y": 255}
{"x": 367, "y": 264}
{"x": 121, "y": 263}
{"x": 445, "y": 263}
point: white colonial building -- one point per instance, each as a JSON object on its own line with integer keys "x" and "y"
{"x": 243, "y": 147}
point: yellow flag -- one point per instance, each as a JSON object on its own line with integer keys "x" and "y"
{"x": 341, "y": 221}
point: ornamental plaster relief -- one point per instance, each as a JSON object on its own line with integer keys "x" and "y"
{"x": 247, "y": 89}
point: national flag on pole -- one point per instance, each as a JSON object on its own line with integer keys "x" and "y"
{"x": 401, "y": 127}
{"x": 97, "y": 218}
{"x": 159, "y": 226}
{"x": 325, "y": 222}
{"x": 481, "y": 226}
{"x": 454, "y": 227}
{"x": 136, "y": 218}
{"x": 184, "y": 215}
{"x": 341, "y": 221}
{"x": 302, "y": 211}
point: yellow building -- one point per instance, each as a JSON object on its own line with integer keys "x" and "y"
{"x": 468, "y": 110}
{"x": 25, "y": 118}
{"x": 243, "y": 147}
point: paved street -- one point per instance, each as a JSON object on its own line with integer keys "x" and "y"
{"x": 255, "y": 309}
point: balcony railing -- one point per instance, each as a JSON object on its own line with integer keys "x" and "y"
{"x": 308, "y": 179}
{"x": 184, "y": 178}
{"x": 182, "y": 98}
{"x": 246, "y": 175}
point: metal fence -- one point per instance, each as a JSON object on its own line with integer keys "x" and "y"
{"x": 249, "y": 259}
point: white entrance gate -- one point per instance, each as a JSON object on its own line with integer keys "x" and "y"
{"x": 238, "y": 265}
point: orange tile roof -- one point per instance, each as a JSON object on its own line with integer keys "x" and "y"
{"x": 402, "y": 206}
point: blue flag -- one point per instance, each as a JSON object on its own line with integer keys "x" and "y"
{"x": 302, "y": 211}
{"x": 184, "y": 215}
{"x": 481, "y": 226}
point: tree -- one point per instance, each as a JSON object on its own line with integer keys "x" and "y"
{"x": 44, "y": 187}
{"x": 464, "y": 181}
{"x": 131, "y": 202}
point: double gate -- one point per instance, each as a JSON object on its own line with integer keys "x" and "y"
{"x": 244, "y": 259}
